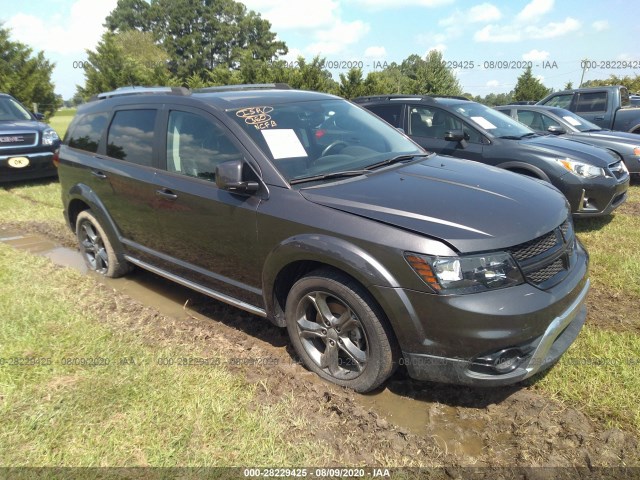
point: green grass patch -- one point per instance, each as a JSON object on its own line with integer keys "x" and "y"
{"x": 61, "y": 120}
{"x": 599, "y": 375}
{"x": 614, "y": 248}
{"x": 31, "y": 201}
{"x": 122, "y": 414}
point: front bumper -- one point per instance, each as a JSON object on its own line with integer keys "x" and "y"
{"x": 595, "y": 196}
{"x": 545, "y": 351}
{"x": 40, "y": 166}
{"x": 464, "y": 339}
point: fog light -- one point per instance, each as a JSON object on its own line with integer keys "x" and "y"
{"x": 507, "y": 360}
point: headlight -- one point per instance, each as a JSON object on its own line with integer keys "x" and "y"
{"x": 466, "y": 274}
{"x": 49, "y": 137}
{"x": 581, "y": 169}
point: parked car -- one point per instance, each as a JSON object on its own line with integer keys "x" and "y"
{"x": 594, "y": 180}
{"x": 27, "y": 145}
{"x": 558, "y": 121}
{"x": 608, "y": 107}
{"x": 375, "y": 255}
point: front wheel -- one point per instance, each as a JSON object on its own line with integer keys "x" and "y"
{"x": 96, "y": 248}
{"x": 339, "y": 332}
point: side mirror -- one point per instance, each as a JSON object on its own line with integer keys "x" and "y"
{"x": 39, "y": 116}
{"x": 229, "y": 177}
{"x": 556, "y": 130}
{"x": 456, "y": 136}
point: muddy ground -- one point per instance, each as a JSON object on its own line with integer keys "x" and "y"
{"x": 407, "y": 423}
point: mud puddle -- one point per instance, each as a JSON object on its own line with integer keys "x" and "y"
{"x": 423, "y": 423}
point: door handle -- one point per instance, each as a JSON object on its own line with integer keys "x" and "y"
{"x": 99, "y": 174}
{"x": 598, "y": 118}
{"x": 166, "y": 193}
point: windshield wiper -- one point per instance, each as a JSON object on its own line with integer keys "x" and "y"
{"x": 324, "y": 176}
{"x": 396, "y": 159}
{"x": 532, "y": 134}
{"x": 510, "y": 137}
{"x": 593, "y": 130}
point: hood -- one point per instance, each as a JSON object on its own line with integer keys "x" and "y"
{"x": 22, "y": 126}
{"x": 623, "y": 137}
{"x": 561, "y": 147}
{"x": 470, "y": 206}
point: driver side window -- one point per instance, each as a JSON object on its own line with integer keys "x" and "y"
{"x": 196, "y": 145}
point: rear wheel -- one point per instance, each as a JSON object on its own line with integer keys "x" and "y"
{"x": 339, "y": 332}
{"x": 96, "y": 247}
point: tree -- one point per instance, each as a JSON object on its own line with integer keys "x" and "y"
{"x": 529, "y": 88}
{"x": 568, "y": 86}
{"x": 129, "y": 15}
{"x": 352, "y": 84}
{"x": 25, "y": 76}
{"x": 125, "y": 58}
{"x": 632, "y": 83}
{"x": 430, "y": 75}
{"x": 202, "y": 34}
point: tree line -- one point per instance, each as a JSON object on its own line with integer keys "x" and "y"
{"x": 199, "y": 43}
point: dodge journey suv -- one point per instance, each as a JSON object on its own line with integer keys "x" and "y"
{"x": 308, "y": 210}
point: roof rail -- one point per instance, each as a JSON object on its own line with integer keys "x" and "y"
{"x": 245, "y": 86}
{"x": 410, "y": 96}
{"x": 137, "y": 90}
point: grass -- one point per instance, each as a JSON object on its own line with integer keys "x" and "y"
{"x": 61, "y": 120}
{"x": 599, "y": 375}
{"x": 36, "y": 201}
{"x": 124, "y": 413}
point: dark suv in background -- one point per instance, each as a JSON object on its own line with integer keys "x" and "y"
{"x": 308, "y": 210}
{"x": 27, "y": 145}
{"x": 594, "y": 180}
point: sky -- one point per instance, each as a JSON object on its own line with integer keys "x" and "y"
{"x": 488, "y": 41}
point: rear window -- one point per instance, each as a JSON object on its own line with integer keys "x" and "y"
{"x": 87, "y": 132}
{"x": 592, "y": 102}
{"x": 130, "y": 136}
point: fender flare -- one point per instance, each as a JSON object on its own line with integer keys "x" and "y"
{"x": 85, "y": 194}
{"x": 327, "y": 250}
{"x": 524, "y": 166}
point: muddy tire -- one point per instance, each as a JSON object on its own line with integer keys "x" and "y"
{"x": 339, "y": 332}
{"x": 96, "y": 247}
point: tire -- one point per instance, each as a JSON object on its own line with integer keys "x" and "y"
{"x": 96, "y": 247}
{"x": 339, "y": 332}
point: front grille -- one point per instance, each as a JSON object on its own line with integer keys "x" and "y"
{"x": 12, "y": 140}
{"x": 535, "y": 247}
{"x": 544, "y": 258}
{"x": 547, "y": 272}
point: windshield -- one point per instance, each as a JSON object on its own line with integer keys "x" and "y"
{"x": 577, "y": 122}
{"x": 322, "y": 137}
{"x": 495, "y": 123}
{"x": 10, "y": 110}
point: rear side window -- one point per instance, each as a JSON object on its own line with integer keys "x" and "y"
{"x": 592, "y": 102}
{"x": 390, "y": 113}
{"x": 88, "y": 131}
{"x": 130, "y": 136}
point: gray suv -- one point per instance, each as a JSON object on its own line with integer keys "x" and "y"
{"x": 310, "y": 211}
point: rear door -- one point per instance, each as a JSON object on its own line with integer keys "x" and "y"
{"x": 593, "y": 107}
{"x": 130, "y": 152}
{"x": 209, "y": 235}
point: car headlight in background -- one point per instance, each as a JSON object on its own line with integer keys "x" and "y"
{"x": 49, "y": 137}
{"x": 581, "y": 169}
{"x": 466, "y": 274}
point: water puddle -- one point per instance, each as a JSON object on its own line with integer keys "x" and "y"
{"x": 402, "y": 403}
